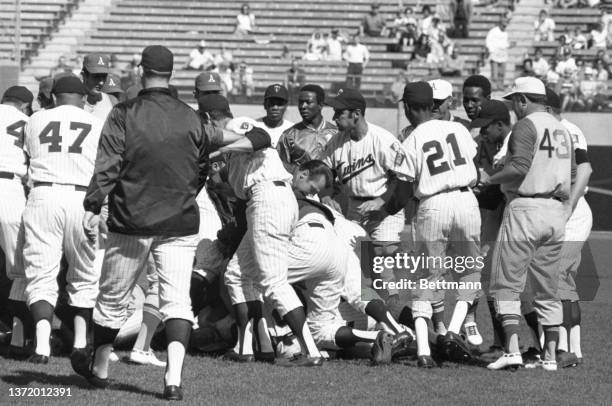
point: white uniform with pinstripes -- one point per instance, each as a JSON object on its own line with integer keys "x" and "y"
{"x": 12, "y": 195}
{"x": 259, "y": 266}
{"x": 440, "y": 158}
{"x": 62, "y": 144}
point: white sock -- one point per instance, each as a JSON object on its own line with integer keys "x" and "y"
{"x": 311, "y": 348}
{"x": 80, "y": 332}
{"x": 394, "y": 324}
{"x": 366, "y": 335}
{"x": 265, "y": 343}
{"x": 176, "y": 354}
{"x": 422, "y": 336}
{"x": 43, "y": 335}
{"x": 148, "y": 326}
{"x": 100, "y": 364}
{"x": 244, "y": 345}
{"x": 562, "y": 345}
{"x": 574, "y": 341}
{"x": 17, "y": 338}
{"x": 459, "y": 314}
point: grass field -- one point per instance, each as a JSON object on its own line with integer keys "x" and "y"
{"x": 214, "y": 381}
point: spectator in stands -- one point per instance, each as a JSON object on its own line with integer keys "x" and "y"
{"x": 591, "y": 94}
{"x": 245, "y": 21}
{"x": 601, "y": 54}
{"x": 540, "y": 66}
{"x": 426, "y": 20}
{"x": 243, "y": 81}
{"x": 601, "y": 70}
{"x": 497, "y": 44}
{"x": 114, "y": 68}
{"x": 397, "y": 87}
{"x": 422, "y": 48}
{"x": 78, "y": 63}
{"x": 571, "y": 3}
{"x": 373, "y": 24}
{"x": 334, "y": 45}
{"x": 200, "y": 58}
{"x": 436, "y": 29}
{"x": 357, "y": 57}
{"x": 295, "y": 79}
{"x": 453, "y": 64}
{"x": 130, "y": 76}
{"x": 552, "y": 78}
{"x": 319, "y": 45}
{"x": 62, "y": 66}
{"x": 597, "y": 37}
{"x": 460, "y": 16}
{"x": 398, "y": 25}
{"x": 310, "y": 54}
{"x": 567, "y": 68}
{"x": 527, "y": 68}
{"x": 544, "y": 27}
{"x": 438, "y": 49}
{"x": 578, "y": 40}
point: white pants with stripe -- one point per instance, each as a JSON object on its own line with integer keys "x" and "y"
{"x": 125, "y": 258}
{"x": 259, "y": 266}
{"x": 208, "y": 259}
{"x": 53, "y": 225}
{"x": 12, "y": 204}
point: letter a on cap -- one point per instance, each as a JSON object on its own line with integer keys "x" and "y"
{"x": 111, "y": 82}
{"x": 211, "y": 79}
{"x": 100, "y": 61}
{"x": 276, "y": 88}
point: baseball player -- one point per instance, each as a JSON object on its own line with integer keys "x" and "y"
{"x": 440, "y": 161}
{"x": 94, "y": 73}
{"x": 307, "y": 139}
{"x": 536, "y": 179}
{"x": 44, "y": 98}
{"x": 276, "y": 98}
{"x": 61, "y": 143}
{"x": 14, "y": 108}
{"x": 259, "y": 266}
{"x": 207, "y": 83}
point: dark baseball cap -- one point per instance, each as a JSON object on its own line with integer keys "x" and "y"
{"x": 157, "y": 59}
{"x": 276, "y": 91}
{"x": 96, "y": 63}
{"x": 553, "y": 99}
{"x": 210, "y": 102}
{"x": 19, "y": 93}
{"x": 491, "y": 111}
{"x": 347, "y": 99}
{"x": 69, "y": 84}
{"x": 418, "y": 93}
{"x": 112, "y": 84}
{"x": 208, "y": 82}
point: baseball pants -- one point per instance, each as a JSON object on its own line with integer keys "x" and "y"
{"x": 12, "y": 204}
{"x": 209, "y": 260}
{"x": 52, "y": 222}
{"x": 124, "y": 260}
{"x": 529, "y": 246}
{"x": 259, "y": 266}
{"x": 447, "y": 224}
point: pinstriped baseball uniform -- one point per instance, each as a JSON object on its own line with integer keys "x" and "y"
{"x": 208, "y": 258}
{"x": 62, "y": 144}
{"x": 276, "y": 132}
{"x": 260, "y": 263}
{"x": 101, "y": 108}
{"x": 440, "y": 157}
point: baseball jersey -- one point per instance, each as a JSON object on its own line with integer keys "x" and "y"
{"x": 362, "y": 167}
{"x": 246, "y": 169}
{"x": 276, "y": 132}
{"x": 101, "y": 108}
{"x": 578, "y": 138}
{"x": 302, "y": 142}
{"x": 541, "y": 142}
{"x": 62, "y": 143}
{"x": 440, "y": 157}
{"x": 12, "y": 124}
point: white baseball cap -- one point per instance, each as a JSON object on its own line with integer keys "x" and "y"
{"x": 528, "y": 85}
{"x": 442, "y": 89}
{"x": 202, "y": 44}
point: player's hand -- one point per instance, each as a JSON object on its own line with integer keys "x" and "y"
{"x": 90, "y": 225}
{"x": 370, "y": 206}
{"x": 327, "y": 200}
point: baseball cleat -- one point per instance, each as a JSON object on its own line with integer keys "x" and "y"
{"x": 400, "y": 347}
{"x": 140, "y": 357}
{"x": 267, "y": 357}
{"x": 81, "y": 361}
{"x": 507, "y": 361}
{"x": 425, "y": 361}
{"x": 38, "y": 359}
{"x": 18, "y": 353}
{"x": 531, "y": 357}
{"x": 173, "y": 392}
{"x": 232, "y": 355}
{"x": 300, "y": 360}
{"x": 546, "y": 365}
{"x": 455, "y": 348}
{"x": 566, "y": 359}
{"x": 382, "y": 349}
{"x": 473, "y": 336}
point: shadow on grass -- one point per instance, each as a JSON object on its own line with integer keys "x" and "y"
{"x": 26, "y": 377}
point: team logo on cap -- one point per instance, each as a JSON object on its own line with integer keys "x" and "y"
{"x": 100, "y": 61}
{"x": 211, "y": 79}
{"x": 276, "y": 88}
{"x": 111, "y": 82}
{"x": 340, "y": 92}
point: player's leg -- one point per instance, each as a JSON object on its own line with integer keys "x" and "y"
{"x": 23, "y": 325}
{"x": 43, "y": 220}
{"x": 174, "y": 262}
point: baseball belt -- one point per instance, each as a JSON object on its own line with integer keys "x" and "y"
{"x": 7, "y": 175}
{"x": 78, "y": 188}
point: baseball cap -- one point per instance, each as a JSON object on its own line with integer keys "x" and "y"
{"x": 210, "y": 102}
{"x": 527, "y": 85}
{"x": 442, "y": 89}
{"x": 276, "y": 91}
{"x": 553, "y": 99}
{"x": 417, "y": 93}
{"x": 208, "y": 82}
{"x": 112, "y": 84}
{"x": 490, "y": 111}
{"x": 96, "y": 63}
{"x": 347, "y": 99}
{"x": 202, "y": 44}
{"x": 69, "y": 84}
{"x": 157, "y": 59}
{"x": 19, "y": 93}
{"x": 45, "y": 85}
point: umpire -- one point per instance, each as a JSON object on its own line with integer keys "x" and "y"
{"x": 151, "y": 163}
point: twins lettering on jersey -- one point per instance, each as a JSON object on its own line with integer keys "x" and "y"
{"x": 355, "y": 168}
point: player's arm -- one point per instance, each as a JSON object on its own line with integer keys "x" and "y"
{"x": 583, "y": 175}
{"x": 521, "y": 147}
{"x": 253, "y": 140}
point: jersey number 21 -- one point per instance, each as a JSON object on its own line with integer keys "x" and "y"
{"x": 435, "y": 167}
